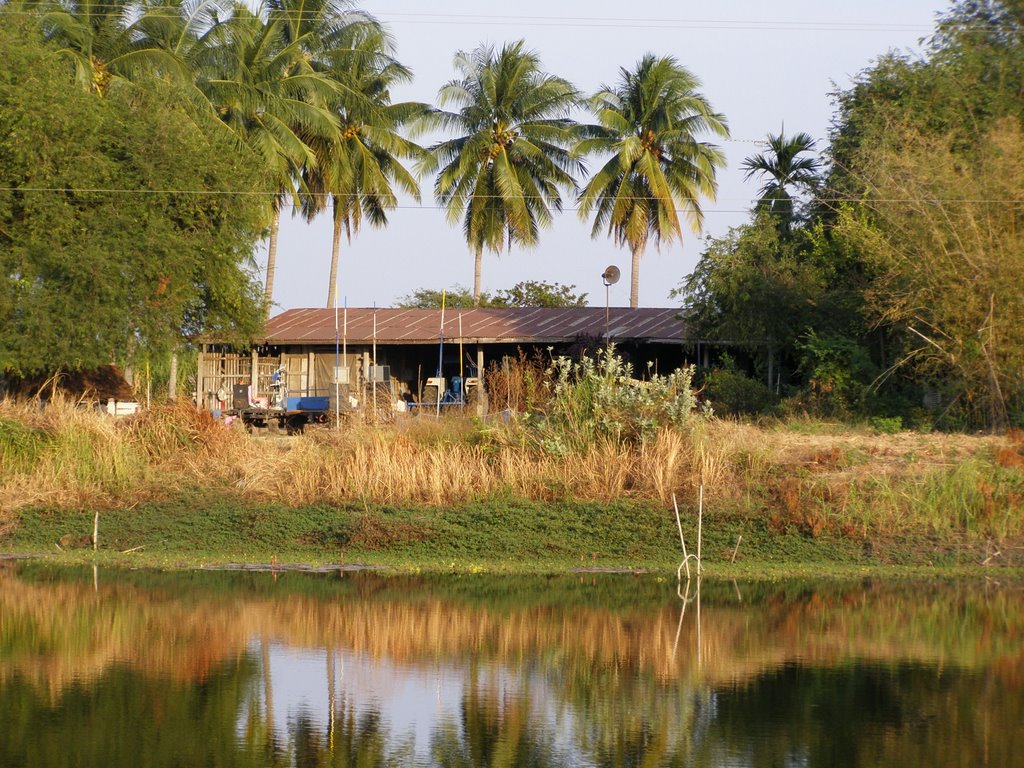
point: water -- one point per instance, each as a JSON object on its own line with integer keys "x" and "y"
{"x": 119, "y": 668}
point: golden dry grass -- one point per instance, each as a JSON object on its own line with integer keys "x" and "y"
{"x": 66, "y": 457}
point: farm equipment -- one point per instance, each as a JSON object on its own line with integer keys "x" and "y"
{"x": 461, "y": 392}
{"x": 280, "y": 411}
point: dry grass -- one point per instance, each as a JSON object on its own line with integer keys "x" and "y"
{"x": 848, "y": 482}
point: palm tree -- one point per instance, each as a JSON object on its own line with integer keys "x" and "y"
{"x": 359, "y": 169}
{"x": 782, "y": 168}
{"x": 103, "y": 40}
{"x": 502, "y": 172}
{"x": 265, "y": 89}
{"x": 649, "y": 123}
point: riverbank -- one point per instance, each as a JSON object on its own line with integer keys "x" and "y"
{"x": 496, "y": 537}
{"x": 175, "y": 488}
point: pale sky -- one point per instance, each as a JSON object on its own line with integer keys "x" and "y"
{"x": 763, "y": 65}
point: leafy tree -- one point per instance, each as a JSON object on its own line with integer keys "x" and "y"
{"x": 503, "y": 172}
{"x": 529, "y": 293}
{"x": 943, "y": 230}
{"x": 752, "y": 288}
{"x": 533, "y": 293}
{"x": 960, "y": 101}
{"x": 114, "y": 232}
{"x": 458, "y": 297}
{"x": 649, "y": 124}
{"x": 783, "y": 172}
{"x": 980, "y": 44}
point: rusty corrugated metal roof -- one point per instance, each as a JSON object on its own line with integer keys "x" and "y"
{"x": 494, "y": 325}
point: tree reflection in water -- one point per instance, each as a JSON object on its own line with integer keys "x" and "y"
{"x": 174, "y": 670}
{"x": 494, "y": 730}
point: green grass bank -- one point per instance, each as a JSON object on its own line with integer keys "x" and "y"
{"x": 508, "y": 536}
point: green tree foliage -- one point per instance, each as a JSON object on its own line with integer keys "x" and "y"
{"x": 923, "y": 155}
{"x": 906, "y": 276}
{"x": 944, "y": 230}
{"x": 529, "y": 293}
{"x": 534, "y": 293}
{"x": 972, "y": 75}
{"x": 114, "y": 234}
{"x": 503, "y": 172}
{"x": 539, "y": 293}
{"x": 649, "y": 123}
{"x": 783, "y": 172}
{"x": 458, "y": 297}
{"x": 752, "y": 288}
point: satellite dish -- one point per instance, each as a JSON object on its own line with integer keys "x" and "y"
{"x": 611, "y": 275}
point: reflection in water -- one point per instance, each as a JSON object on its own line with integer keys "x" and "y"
{"x": 238, "y": 670}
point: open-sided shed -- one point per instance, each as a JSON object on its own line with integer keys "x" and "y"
{"x": 404, "y": 347}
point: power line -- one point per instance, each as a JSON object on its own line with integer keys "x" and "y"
{"x": 428, "y": 206}
{"x": 612, "y": 22}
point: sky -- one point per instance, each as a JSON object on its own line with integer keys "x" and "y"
{"x": 765, "y": 66}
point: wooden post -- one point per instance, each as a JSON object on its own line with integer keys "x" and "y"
{"x": 199, "y": 375}
{"x": 481, "y": 395}
{"x": 365, "y": 378}
{"x": 172, "y": 378}
{"x": 254, "y": 377}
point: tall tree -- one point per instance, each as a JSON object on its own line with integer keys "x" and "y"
{"x": 262, "y": 84}
{"x": 359, "y": 169}
{"x": 103, "y": 39}
{"x": 503, "y": 172}
{"x": 649, "y": 123}
{"x": 118, "y": 226}
{"x": 783, "y": 172}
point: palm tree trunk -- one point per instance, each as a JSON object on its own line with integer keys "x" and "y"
{"x": 332, "y": 285}
{"x": 268, "y": 290}
{"x": 477, "y": 265}
{"x": 634, "y": 279}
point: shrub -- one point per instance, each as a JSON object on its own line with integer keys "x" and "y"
{"x": 732, "y": 393}
{"x": 837, "y": 369}
{"x": 598, "y": 399}
{"x": 886, "y": 426}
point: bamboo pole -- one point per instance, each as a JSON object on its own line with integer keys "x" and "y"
{"x": 440, "y": 355}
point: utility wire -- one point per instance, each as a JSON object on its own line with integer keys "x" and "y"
{"x": 327, "y": 196}
{"x": 742, "y": 24}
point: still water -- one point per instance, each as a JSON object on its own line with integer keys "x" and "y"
{"x": 132, "y": 668}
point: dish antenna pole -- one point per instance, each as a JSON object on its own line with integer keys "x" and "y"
{"x": 609, "y": 277}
